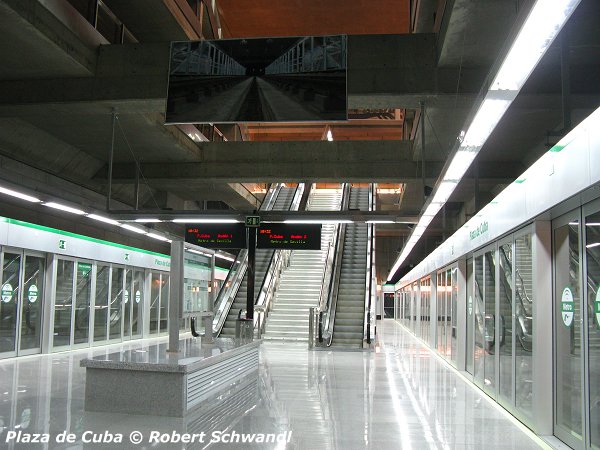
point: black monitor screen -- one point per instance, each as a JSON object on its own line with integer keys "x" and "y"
{"x": 289, "y": 79}
{"x": 289, "y": 236}
{"x": 216, "y": 235}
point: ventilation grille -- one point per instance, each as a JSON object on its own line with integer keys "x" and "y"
{"x": 205, "y": 382}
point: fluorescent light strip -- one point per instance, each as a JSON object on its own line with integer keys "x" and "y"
{"x": 20, "y": 195}
{"x": 487, "y": 117}
{"x": 316, "y": 221}
{"x": 595, "y": 244}
{"x": 460, "y": 164}
{"x": 148, "y": 220}
{"x": 103, "y": 219}
{"x": 226, "y": 258}
{"x": 379, "y": 221}
{"x": 200, "y": 220}
{"x": 443, "y": 192}
{"x": 132, "y": 228}
{"x": 535, "y": 37}
{"x": 64, "y": 208}
{"x": 157, "y": 236}
{"x": 543, "y": 24}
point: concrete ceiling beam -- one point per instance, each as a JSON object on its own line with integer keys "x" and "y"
{"x": 133, "y": 78}
{"x": 322, "y": 161}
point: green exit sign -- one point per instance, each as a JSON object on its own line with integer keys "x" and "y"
{"x": 253, "y": 221}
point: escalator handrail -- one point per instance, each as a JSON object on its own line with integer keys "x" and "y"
{"x": 80, "y": 285}
{"x": 520, "y": 313}
{"x": 234, "y": 278}
{"x": 369, "y": 271}
{"x": 508, "y": 285}
{"x": 336, "y": 272}
{"x": 326, "y": 279}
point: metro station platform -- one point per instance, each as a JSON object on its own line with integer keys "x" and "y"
{"x": 401, "y": 395}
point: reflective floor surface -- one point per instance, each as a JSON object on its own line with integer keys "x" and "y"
{"x": 398, "y": 397}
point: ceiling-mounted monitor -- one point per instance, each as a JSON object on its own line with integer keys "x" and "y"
{"x": 216, "y": 235}
{"x": 289, "y": 236}
{"x": 288, "y": 79}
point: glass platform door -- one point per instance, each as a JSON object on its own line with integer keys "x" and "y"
{"x": 568, "y": 330}
{"x": 22, "y": 293}
{"x": 31, "y": 310}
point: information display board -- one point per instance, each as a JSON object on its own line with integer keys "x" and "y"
{"x": 213, "y": 235}
{"x": 289, "y": 236}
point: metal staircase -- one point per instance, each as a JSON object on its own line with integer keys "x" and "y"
{"x": 263, "y": 259}
{"x": 301, "y": 283}
{"x": 350, "y": 310}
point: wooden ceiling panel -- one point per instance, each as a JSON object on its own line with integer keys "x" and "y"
{"x": 261, "y": 18}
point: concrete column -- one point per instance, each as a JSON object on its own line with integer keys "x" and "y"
{"x": 175, "y": 294}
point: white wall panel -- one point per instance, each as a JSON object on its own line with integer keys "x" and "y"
{"x": 566, "y": 170}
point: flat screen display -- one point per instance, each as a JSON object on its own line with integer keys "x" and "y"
{"x": 289, "y": 236}
{"x": 228, "y": 235}
{"x": 288, "y": 79}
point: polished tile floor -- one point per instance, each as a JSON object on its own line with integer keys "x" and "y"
{"x": 398, "y": 397}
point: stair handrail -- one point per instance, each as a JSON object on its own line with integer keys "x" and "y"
{"x": 279, "y": 260}
{"x": 234, "y": 278}
{"x": 369, "y": 272}
{"x": 327, "y": 323}
{"x": 329, "y": 258}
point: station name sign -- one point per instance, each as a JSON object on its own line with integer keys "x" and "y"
{"x": 289, "y": 236}
{"x": 216, "y": 235}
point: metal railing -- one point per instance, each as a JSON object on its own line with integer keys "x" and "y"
{"x": 369, "y": 275}
{"x": 279, "y": 260}
{"x": 104, "y": 21}
{"x": 229, "y": 290}
{"x": 263, "y": 305}
{"x": 236, "y": 275}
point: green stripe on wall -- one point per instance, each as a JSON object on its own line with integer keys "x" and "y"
{"x": 86, "y": 238}
{"x": 81, "y": 236}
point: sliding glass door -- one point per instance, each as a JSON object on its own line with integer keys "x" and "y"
{"x": 576, "y": 261}
{"x": 21, "y": 302}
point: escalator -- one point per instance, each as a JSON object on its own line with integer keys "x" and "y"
{"x": 523, "y": 280}
{"x": 523, "y": 309}
{"x": 283, "y": 202}
{"x": 349, "y": 313}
